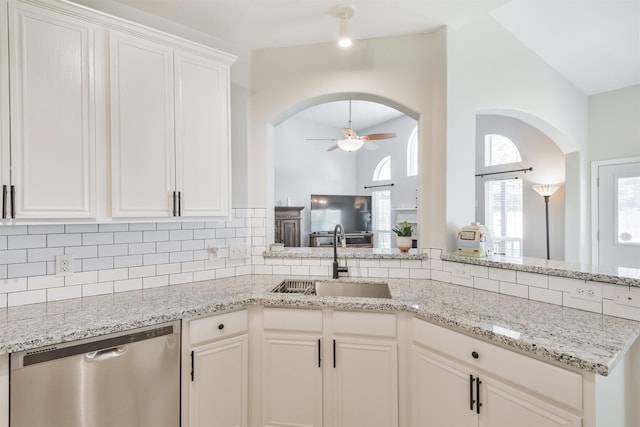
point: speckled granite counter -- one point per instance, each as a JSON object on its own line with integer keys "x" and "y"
{"x": 580, "y": 339}
{"x": 606, "y": 274}
{"x": 353, "y": 253}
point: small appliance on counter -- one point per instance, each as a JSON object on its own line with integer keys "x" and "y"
{"x": 475, "y": 240}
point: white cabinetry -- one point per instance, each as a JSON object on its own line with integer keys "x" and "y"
{"x": 216, "y": 370}
{"x": 169, "y": 130}
{"x": 292, "y": 367}
{"x": 329, "y": 368}
{"x": 461, "y": 381}
{"x": 53, "y": 108}
{"x": 365, "y": 369}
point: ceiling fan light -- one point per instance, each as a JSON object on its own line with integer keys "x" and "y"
{"x": 350, "y": 144}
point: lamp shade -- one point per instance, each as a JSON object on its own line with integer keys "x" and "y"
{"x": 546, "y": 189}
{"x": 350, "y": 144}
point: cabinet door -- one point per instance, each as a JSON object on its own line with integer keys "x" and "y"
{"x": 291, "y": 232}
{"x": 142, "y": 139}
{"x": 219, "y": 390}
{"x": 505, "y": 406}
{"x": 365, "y": 383}
{"x": 202, "y": 136}
{"x": 292, "y": 380}
{"x": 441, "y": 392}
{"x": 52, "y": 114}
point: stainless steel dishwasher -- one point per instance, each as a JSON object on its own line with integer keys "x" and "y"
{"x": 130, "y": 379}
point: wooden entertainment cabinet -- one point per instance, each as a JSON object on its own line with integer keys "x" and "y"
{"x": 354, "y": 240}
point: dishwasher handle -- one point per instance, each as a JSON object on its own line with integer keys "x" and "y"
{"x": 106, "y": 354}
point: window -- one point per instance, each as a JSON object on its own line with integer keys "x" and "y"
{"x": 499, "y": 150}
{"x": 412, "y": 153}
{"x": 381, "y": 200}
{"x": 503, "y": 215}
{"x": 383, "y": 170}
{"x": 628, "y": 212}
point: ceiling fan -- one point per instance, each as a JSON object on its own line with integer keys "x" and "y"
{"x": 351, "y": 141}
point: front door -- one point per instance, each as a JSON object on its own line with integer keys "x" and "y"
{"x": 618, "y": 204}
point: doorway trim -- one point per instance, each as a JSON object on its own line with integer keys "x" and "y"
{"x": 595, "y": 194}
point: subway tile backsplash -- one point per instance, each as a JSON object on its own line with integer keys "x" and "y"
{"x": 121, "y": 257}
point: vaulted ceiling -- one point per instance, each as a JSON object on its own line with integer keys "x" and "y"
{"x": 594, "y": 43}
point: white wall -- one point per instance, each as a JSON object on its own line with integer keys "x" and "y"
{"x": 304, "y": 167}
{"x": 537, "y": 151}
{"x": 403, "y": 193}
{"x": 614, "y": 124}
{"x": 408, "y": 71}
{"x": 490, "y": 71}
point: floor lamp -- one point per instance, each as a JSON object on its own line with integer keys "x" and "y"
{"x": 546, "y": 191}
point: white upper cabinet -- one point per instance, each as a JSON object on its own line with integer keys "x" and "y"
{"x": 52, "y": 101}
{"x": 142, "y": 127}
{"x": 202, "y": 136}
{"x": 100, "y": 118}
{"x": 169, "y": 131}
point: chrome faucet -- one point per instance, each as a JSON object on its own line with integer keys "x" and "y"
{"x": 337, "y": 270}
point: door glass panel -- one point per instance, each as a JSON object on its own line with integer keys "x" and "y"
{"x": 628, "y": 210}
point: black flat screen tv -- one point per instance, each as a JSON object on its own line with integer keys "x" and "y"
{"x": 353, "y": 212}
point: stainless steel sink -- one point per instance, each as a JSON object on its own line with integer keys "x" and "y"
{"x": 329, "y": 288}
{"x": 352, "y": 289}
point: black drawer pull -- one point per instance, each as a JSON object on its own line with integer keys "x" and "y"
{"x": 221, "y": 326}
{"x": 475, "y": 354}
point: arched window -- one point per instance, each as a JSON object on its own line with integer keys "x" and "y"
{"x": 499, "y": 150}
{"x": 412, "y": 153}
{"x": 383, "y": 170}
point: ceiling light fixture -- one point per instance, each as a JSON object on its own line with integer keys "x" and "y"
{"x": 344, "y": 14}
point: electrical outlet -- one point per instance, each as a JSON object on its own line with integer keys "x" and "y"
{"x": 589, "y": 292}
{"x": 461, "y": 270}
{"x": 214, "y": 252}
{"x": 238, "y": 251}
{"x": 64, "y": 265}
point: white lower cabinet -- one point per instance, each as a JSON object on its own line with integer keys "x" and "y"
{"x": 460, "y": 381}
{"x": 365, "y": 370}
{"x": 216, "y": 368}
{"x": 329, "y": 368}
{"x": 292, "y": 380}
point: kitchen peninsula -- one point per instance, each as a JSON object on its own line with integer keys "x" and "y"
{"x": 592, "y": 351}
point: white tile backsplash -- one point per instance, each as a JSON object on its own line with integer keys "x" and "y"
{"x": 121, "y": 257}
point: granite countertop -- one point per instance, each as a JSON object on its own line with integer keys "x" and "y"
{"x": 598, "y": 273}
{"x": 580, "y": 339}
{"x": 361, "y": 253}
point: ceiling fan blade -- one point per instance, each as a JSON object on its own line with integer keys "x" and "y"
{"x": 369, "y": 146}
{"x": 376, "y": 136}
{"x": 349, "y": 133}
{"x": 333, "y": 147}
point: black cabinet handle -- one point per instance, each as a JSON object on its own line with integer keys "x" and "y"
{"x": 478, "y": 404}
{"x": 175, "y": 206}
{"x": 334, "y": 353}
{"x": 319, "y": 353}
{"x": 179, "y": 203}
{"x": 471, "y": 401}
{"x": 221, "y": 326}
{"x": 192, "y": 366}
{"x": 475, "y": 354}
{"x": 13, "y": 201}
{"x": 4, "y": 201}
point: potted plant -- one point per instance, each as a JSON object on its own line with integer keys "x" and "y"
{"x": 403, "y": 231}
